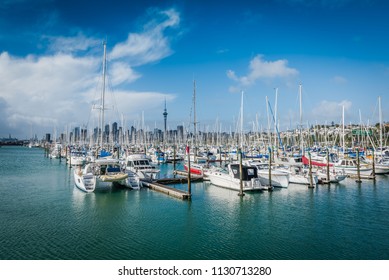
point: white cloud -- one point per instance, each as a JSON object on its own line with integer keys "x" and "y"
{"x": 59, "y": 88}
{"x": 72, "y": 44}
{"x": 339, "y": 80}
{"x": 41, "y": 90}
{"x": 222, "y": 51}
{"x": 122, "y": 72}
{"x": 150, "y": 45}
{"x": 331, "y": 110}
{"x": 261, "y": 69}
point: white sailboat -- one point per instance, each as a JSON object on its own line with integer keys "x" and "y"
{"x": 84, "y": 180}
{"x": 108, "y": 173}
{"x": 104, "y": 172}
{"x": 300, "y": 175}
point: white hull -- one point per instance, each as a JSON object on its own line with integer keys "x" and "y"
{"x": 350, "y": 167}
{"x": 85, "y": 182}
{"x": 381, "y": 169}
{"x": 278, "y": 179}
{"x": 334, "y": 177}
{"x": 303, "y": 179}
{"x": 353, "y": 171}
{"x": 225, "y": 181}
{"x": 133, "y": 181}
{"x": 298, "y": 175}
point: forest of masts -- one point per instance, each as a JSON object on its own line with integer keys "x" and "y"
{"x": 315, "y": 136}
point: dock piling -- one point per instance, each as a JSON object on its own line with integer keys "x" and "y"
{"x": 240, "y": 193}
{"x": 358, "y": 168}
{"x": 189, "y": 183}
{"x": 310, "y": 172}
{"x": 270, "y": 162}
{"x": 373, "y": 174}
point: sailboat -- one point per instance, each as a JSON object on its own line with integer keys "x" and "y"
{"x": 84, "y": 179}
{"x": 381, "y": 164}
{"x": 103, "y": 172}
{"x": 197, "y": 164}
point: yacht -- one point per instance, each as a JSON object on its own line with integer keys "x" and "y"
{"x": 350, "y": 167}
{"x": 300, "y": 175}
{"x": 195, "y": 168}
{"x": 229, "y": 177}
{"x": 140, "y": 165}
{"x": 278, "y": 178}
{"x": 335, "y": 176}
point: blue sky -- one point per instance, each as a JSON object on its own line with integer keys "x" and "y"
{"x": 51, "y": 56}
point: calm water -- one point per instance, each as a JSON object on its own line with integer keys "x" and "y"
{"x": 44, "y": 216}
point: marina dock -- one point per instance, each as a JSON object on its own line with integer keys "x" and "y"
{"x": 167, "y": 190}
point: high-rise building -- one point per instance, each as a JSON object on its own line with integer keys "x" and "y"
{"x": 180, "y": 132}
{"x": 115, "y": 131}
{"x": 76, "y": 134}
{"x": 106, "y": 133}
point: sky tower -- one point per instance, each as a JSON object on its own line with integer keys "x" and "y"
{"x": 165, "y": 117}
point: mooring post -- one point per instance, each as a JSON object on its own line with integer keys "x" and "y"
{"x": 174, "y": 160}
{"x": 189, "y": 183}
{"x": 66, "y": 155}
{"x": 241, "y": 193}
{"x": 270, "y": 162}
{"x": 220, "y": 156}
{"x": 310, "y": 172}
{"x": 373, "y": 174}
{"x": 328, "y": 167}
{"x": 358, "y": 168}
{"x": 70, "y": 158}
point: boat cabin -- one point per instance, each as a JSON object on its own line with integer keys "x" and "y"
{"x": 248, "y": 172}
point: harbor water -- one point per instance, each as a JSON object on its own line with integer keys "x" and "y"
{"x": 44, "y": 216}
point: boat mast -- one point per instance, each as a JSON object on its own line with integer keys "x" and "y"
{"x": 275, "y": 119}
{"x": 301, "y": 121}
{"x": 194, "y": 120}
{"x": 343, "y": 144}
{"x": 194, "y": 110}
{"x": 380, "y": 116}
{"x": 268, "y": 121}
{"x": 103, "y": 92}
{"x": 241, "y": 121}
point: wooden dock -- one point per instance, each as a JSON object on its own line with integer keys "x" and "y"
{"x": 167, "y": 190}
{"x": 366, "y": 177}
{"x": 178, "y": 180}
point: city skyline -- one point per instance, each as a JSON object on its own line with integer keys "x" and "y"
{"x": 51, "y": 57}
